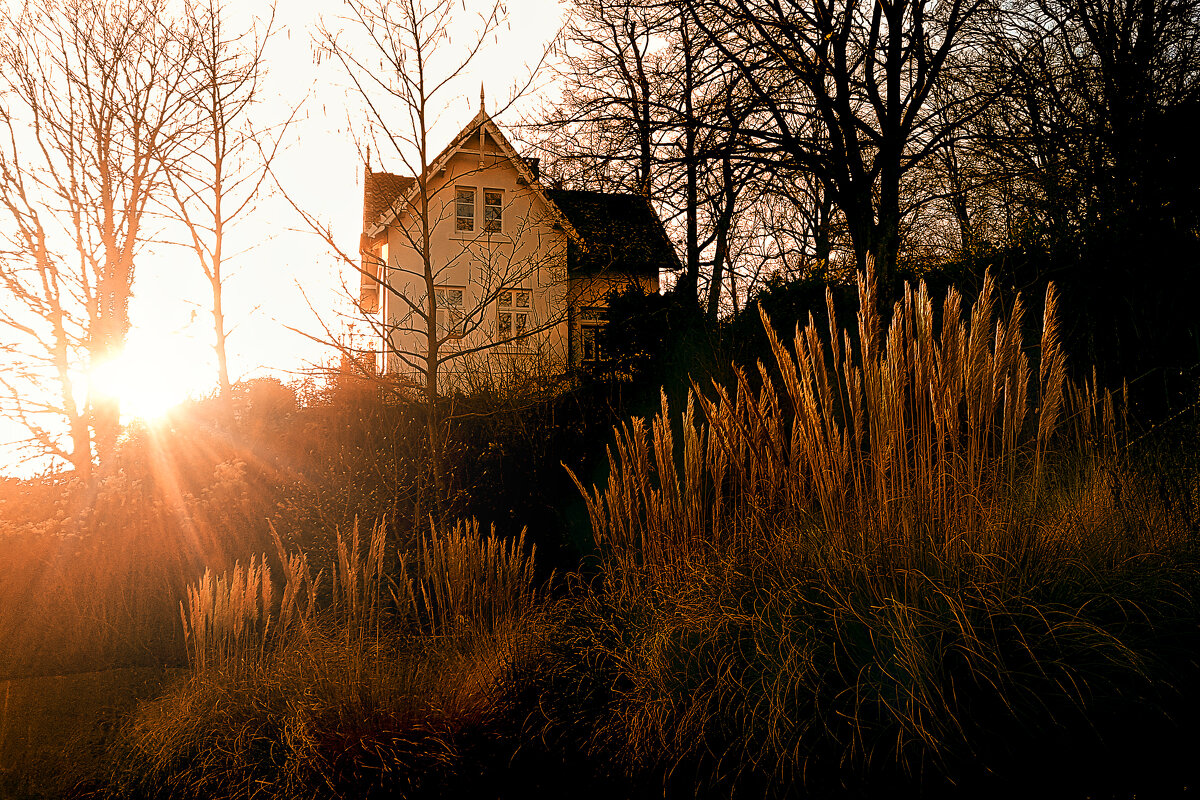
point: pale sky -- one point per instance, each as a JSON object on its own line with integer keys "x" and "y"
{"x": 169, "y": 353}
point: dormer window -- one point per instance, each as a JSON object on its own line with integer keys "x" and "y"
{"x": 464, "y": 209}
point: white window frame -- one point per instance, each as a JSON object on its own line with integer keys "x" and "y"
{"x": 496, "y": 225}
{"x": 592, "y": 320}
{"x": 514, "y": 314}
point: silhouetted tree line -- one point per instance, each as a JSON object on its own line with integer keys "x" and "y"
{"x": 1044, "y": 140}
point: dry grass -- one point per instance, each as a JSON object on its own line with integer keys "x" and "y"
{"x": 372, "y": 686}
{"x": 913, "y": 441}
{"x": 895, "y": 553}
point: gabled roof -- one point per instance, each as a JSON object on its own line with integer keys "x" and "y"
{"x": 606, "y": 230}
{"x": 482, "y": 123}
{"x": 619, "y": 230}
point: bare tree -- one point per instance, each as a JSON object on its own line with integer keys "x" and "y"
{"x": 605, "y": 129}
{"x": 44, "y": 322}
{"x": 1093, "y": 143}
{"x": 648, "y": 105}
{"x": 437, "y": 302}
{"x": 844, "y": 91}
{"x": 216, "y": 178}
{"x": 93, "y": 100}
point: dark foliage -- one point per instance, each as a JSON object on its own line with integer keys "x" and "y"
{"x": 654, "y": 343}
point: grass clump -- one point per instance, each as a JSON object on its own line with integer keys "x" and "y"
{"x": 376, "y": 686}
{"x": 907, "y": 557}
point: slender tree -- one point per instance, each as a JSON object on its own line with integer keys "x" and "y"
{"x": 216, "y": 178}
{"x": 845, "y": 91}
{"x": 648, "y": 106}
{"x": 1092, "y": 142}
{"x": 605, "y": 130}
{"x": 398, "y": 55}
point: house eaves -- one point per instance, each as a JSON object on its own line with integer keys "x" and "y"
{"x": 482, "y": 123}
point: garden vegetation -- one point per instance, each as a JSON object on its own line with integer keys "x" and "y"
{"x": 910, "y": 556}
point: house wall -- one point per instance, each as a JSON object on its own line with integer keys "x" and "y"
{"x": 528, "y": 253}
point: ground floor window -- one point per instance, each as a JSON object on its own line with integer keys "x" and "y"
{"x": 513, "y": 307}
{"x": 591, "y": 321}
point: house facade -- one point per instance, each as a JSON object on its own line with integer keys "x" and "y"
{"x": 518, "y": 275}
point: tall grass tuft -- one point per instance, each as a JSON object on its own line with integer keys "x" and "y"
{"x": 227, "y": 618}
{"x": 472, "y": 584}
{"x": 922, "y": 439}
{"x": 369, "y": 687}
{"x": 885, "y": 552}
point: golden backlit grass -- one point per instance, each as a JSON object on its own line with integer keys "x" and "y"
{"x": 295, "y": 690}
{"x": 913, "y": 440}
{"x": 904, "y": 558}
{"x": 896, "y": 552}
{"x": 91, "y": 575}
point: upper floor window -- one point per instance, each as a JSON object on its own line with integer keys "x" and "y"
{"x": 449, "y": 301}
{"x": 493, "y": 210}
{"x": 512, "y": 313}
{"x": 464, "y": 208}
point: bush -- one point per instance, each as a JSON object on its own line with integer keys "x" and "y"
{"x": 90, "y": 575}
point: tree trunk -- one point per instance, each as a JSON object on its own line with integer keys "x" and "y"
{"x": 689, "y": 283}
{"x": 724, "y": 224}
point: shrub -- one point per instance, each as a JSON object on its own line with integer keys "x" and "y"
{"x": 90, "y": 577}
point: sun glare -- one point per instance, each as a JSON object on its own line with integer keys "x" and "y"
{"x": 148, "y": 381}
{"x": 141, "y": 394}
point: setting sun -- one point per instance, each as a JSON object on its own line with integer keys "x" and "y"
{"x": 150, "y": 378}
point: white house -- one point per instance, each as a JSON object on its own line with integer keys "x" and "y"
{"x": 521, "y": 273}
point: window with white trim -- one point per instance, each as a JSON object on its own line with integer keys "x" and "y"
{"x": 449, "y": 301}
{"x": 591, "y": 321}
{"x": 464, "y": 209}
{"x": 493, "y": 210}
{"x": 513, "y": 307}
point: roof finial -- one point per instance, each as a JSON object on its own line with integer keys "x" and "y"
{"x": 482, "y": 106}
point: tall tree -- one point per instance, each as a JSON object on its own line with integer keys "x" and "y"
{"x": 605, "y": 130}
{"x": 1094, "y": 139}
{"x": 217, "y": 176}
{"x": 405, "y": 66}
{"x": 845, "y": 91}
{"x": 639, "y": 82}
{"x": 95, "y": 97}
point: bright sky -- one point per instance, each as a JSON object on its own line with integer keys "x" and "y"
{"x": 285, "y": 269}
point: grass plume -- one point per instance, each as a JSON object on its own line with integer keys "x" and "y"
{"x": 871, "y": 555}
{"x": 292, "y": 692}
